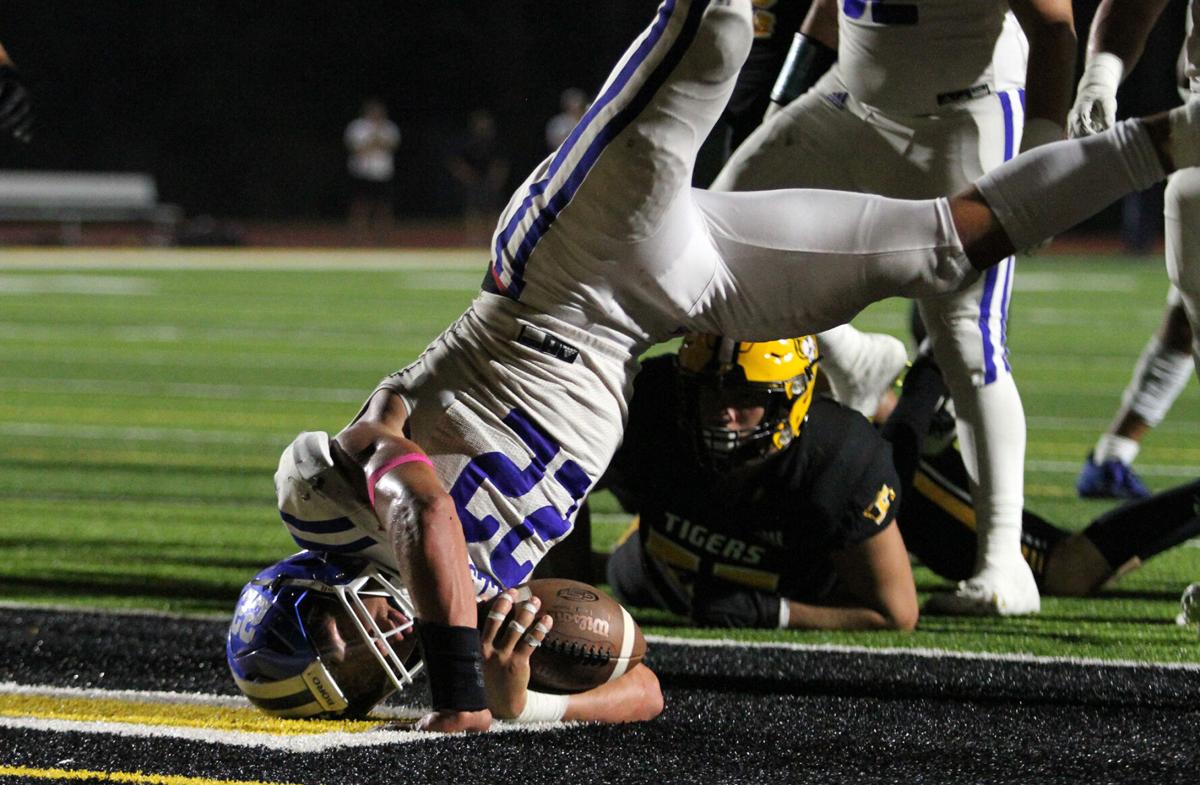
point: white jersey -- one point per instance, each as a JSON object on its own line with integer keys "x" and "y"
{"x": 918, "y": 57}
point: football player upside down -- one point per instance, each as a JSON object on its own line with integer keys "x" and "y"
{"x": 760, "y": 505}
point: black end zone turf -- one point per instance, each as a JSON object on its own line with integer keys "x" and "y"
{"x": 733, "y": 715}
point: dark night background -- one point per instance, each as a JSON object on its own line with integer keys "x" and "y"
{"x": 238, "y": 108}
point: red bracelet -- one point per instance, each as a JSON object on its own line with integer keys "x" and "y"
{"x": 377, "y": 475}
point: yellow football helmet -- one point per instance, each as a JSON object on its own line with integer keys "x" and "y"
{"x": 782, "y": 373}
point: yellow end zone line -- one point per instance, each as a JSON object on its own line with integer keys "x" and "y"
{"x": 164, "y": 714}
{"x": 209, "y": 718}
{"x": 118, "y": 776}
{"x": 217, "y": 719}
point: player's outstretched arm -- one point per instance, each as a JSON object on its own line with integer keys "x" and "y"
{"x": 632, "y": 697}
{"x": 425, "y": 531}
{"x": 1118, "y": 36}
{"x": 1050, "y": 27}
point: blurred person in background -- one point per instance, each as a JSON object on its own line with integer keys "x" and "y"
{"x": 16, "y": 111}
{"x": 372, "y": 140}
{"x": 481, "y": 171}
{"x": 572, "y": 104}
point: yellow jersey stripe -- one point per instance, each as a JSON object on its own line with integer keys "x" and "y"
{"x": 674, "y": 555}
{"x": 962, "y": 512}
{"x": 756, "y": 579}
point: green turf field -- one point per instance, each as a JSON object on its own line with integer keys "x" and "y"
{"x": 145, "y": 397}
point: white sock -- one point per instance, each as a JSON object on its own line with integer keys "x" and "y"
{"x": 1121, "y": 448}
{"x": 1053, "y": 187}
{"x": 1158, "y": 379}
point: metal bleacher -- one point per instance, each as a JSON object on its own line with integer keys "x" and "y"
{"x": 72, "y": 199}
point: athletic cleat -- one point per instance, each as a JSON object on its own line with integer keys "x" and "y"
{"x": 1012, "y": 592}
{"x": 1109, "y": 480}
{"x": 875, "y": 370}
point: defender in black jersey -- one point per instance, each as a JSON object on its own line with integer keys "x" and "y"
{"x": 798, "y": 522}
{"x": 748, "y": 491}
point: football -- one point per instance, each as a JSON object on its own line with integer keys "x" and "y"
{"x": 594, "y": 640}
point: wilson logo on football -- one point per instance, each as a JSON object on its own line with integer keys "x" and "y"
{"x": 577, "y": 595}
{"x": 584, "y": 622}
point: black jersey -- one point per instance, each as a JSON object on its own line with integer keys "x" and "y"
{"x": 772, "y": 530}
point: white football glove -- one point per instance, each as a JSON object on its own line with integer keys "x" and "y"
{"x": 1095, "y": 106}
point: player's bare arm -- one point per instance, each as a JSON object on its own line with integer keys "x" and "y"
{"x": 878, "y": 572}
{"x": 821, "y": 23}
{"x": 424, "y": 529}
{"x": 812, "y": 53}
{"x": 1122, "y": 27}
{"x": 1050, "y": 27}
{"x": 879, "y": 595}
{"x": 1118, "y": 36}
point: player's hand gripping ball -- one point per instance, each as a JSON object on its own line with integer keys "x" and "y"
{"x": 594, "y": 640}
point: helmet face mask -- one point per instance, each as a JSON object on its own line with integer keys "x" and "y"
{"x": 316, "y": 635}
{"x": 718, "y": 374}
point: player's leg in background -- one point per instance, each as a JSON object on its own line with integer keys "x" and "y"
{"x": 968, "y": 334}
{"x": 1181, "y": 219}
{"x": 819, "y": 141}
{"x": 1160, "y": 375}
{"x": 1123, "y": 539}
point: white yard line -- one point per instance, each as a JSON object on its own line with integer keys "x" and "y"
{"x": 833, "y": 648}
{"x": 260, "y": 259}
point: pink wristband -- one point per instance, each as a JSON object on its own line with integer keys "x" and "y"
{"x": 377, "y": 475}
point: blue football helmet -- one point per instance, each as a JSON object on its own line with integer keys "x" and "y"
{"x": 321, "y": 635}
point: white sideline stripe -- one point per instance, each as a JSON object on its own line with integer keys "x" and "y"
{"x": 187, "y": 435}
{"x": 433, "y": 260}
{"x": 76, "y": 284}
{"x": 188, "y": 390}
{"x": 835, "y": 648}
{"x": 1097, "y": 424}
{"x": 1144, "y": 469}
{"x": 1058, "y": 282}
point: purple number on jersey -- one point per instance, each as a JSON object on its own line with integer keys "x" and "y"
{"x": 504, "y": 475}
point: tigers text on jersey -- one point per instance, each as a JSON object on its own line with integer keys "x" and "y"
{"x": 915, "y": 57}
{"x": 774, "y": 531}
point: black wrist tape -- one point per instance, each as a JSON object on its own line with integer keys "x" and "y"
{"x": 807, "y": 61}
{"x": 455, "y": 666}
